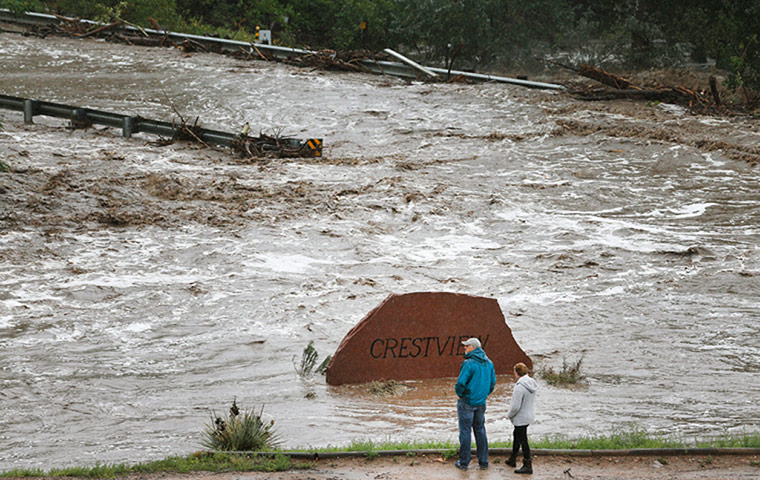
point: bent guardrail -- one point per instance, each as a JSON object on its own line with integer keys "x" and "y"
{"x": 129, "y": 125}
{"x": 382, "y": 67}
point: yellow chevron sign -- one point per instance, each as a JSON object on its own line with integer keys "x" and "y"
{"x": 315, "y": 144}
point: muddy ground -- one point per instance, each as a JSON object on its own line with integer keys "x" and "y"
{"x": 721, "y": 467}
{"x": 553, "y": 467}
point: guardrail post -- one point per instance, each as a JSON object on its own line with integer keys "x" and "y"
{"x": 129, "y": 127}
{"x": 30, "y": 108}
{"x": 79, "y": 118}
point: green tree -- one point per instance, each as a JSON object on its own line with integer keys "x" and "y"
{"x": 447, "y": 31}
{"x": 726, "y": 31}
{"x": 134, "y": 11}
{"x": 236, "y": 14}
{"x": 631, "y": 33}
{"x": 477, "y": 33}
{"x": 20, "y": 6}
{"x": 377, "y": 15}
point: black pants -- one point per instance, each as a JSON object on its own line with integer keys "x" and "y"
{"x": 520, "y": 439}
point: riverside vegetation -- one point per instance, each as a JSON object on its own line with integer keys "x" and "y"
{"x": 569, "y": 374}
{"x": 309, "y": 357}
{"x": 274, "y": 460}
{"x": 240, "y": 431}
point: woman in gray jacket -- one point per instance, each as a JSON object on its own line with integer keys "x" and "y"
{"x": 521, "y": 413}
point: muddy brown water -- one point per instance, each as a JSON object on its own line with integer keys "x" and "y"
{"x": 144, "y": 287}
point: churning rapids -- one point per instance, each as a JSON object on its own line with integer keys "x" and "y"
{"x": 143, "y": 287}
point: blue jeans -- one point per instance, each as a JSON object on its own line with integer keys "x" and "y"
{"x": 472, "y": 419}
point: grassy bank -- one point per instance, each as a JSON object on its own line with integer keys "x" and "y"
{"x": 197, "y": 462}
{"x": 220, "y": 461}
{"x": 619, "y": 440}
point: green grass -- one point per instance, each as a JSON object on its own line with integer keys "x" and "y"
{"x": 745, "y": 440}
{"x": 622, "y": 439}
{"x": 202, "y": 461}
{"x": 617, "y": 440}
{"x": 370, "y": 445}
{"x": 630, "y": 438}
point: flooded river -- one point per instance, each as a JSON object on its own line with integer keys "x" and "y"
{"x": 143, "y": 287}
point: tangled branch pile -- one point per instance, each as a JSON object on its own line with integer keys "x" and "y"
{"x": 698, "y": 101}
{"x": 269, "y": 146}
{"x": 346, "y": 60}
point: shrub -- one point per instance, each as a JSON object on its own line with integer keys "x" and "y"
{"x": 309, "y": 359}
{"x": 240, "y": 431}
{"x": 568, "y": 375}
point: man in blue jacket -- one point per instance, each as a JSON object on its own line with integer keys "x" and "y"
{"x": 477, "y": 378}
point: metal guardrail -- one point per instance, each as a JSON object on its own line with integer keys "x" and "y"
{"x": 281, "y": 53}
{"x": 32, "y": 18}
{"x": 83, "y": 117}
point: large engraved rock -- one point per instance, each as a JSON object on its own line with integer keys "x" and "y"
{"x": 419, "y": 335}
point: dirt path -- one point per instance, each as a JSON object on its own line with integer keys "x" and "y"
{"x": 554, "y": 467}
{"x": 548, "y": 467}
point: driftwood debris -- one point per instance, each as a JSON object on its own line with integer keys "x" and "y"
{"x": 72, "y": 26}
{"x": 678, "y": 95}
{"x": 98, "y": 30}
{"x": 244, "y": 146}
{"x": 144, "y": 41}
{"x": 606, "y": 78}
{"x": 346, "y": 60}
{"x": 269, "y": 146}
{"x": 696, "y": 100}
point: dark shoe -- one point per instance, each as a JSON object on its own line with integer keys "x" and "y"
{"x": 483, "y": 466}
{"x": 527, "y": 467}
{"x": 460, "y": 466}
{"x": 512, "y": 460}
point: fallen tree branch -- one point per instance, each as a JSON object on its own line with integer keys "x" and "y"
{"x": 99, "y": 30}
{"x": 263, "y": 57}
{"x": 679, "y": 95}
{"x": 606, "y": 78}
